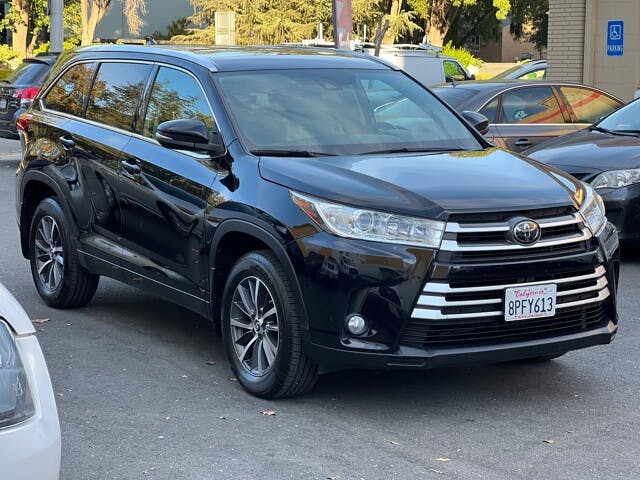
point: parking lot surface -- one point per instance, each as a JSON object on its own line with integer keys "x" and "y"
{"x": 144, "y": 391}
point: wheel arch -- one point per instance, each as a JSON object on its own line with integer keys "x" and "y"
{"x": 234, "y": 238}
{"x": 35, "y": 187}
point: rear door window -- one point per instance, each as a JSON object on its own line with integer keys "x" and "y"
{"x": 175, "y": 95}
{"x": 588, "y": 105}
{"x": 69, "y": 93}
{"x": 116, "y": 94}
{"x": 531, "y": 105}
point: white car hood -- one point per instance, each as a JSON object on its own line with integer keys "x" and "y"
{"x": 14, "y": 314}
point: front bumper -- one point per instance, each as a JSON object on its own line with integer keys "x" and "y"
{"x": 31, "y": 450}
{"x": 384, "y": 283}
{"x": 407, "y": 357}
{"x": 623, "y": 210}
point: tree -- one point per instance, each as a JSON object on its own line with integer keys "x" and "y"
{"x": 175, "y": 28}
{"x": 264, "y": 21}
{"x": 530, "y": 21}
{"x": 28, "y": 21}
{"x": 440, "y": 15}
{"x": 92, "y": 11}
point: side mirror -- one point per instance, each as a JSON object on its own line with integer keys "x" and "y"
{"x": 188, "y": 134}
{"x": 472, "y": 77}
{"x": 479, "y": 121}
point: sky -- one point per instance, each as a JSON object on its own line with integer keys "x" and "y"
{"x": 159, "y": 14}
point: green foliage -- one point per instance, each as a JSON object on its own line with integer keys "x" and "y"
{"x": 529, "y": 21}
{"x": 9, "y": 56}
{"x": 4, "y": 73}
{"x": 72, "y": 21}
{"x": 175, "y": 28}
{"x": 464, "y": 56}
{"x": 46, "y": 46}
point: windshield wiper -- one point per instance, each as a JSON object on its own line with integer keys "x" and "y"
{"x": 290, "y": 153}
{"x": 627, "y": 133}
{"x": 413, "y": 150}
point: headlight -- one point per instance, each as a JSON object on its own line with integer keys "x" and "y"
{"x": 363, "y": 224}
{"x": 16, "y": 404}
{"x": 616, "y": 178}
{"x": 592, "y": 210}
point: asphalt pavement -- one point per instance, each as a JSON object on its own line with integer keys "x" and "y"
{"x": 144, "y": 392}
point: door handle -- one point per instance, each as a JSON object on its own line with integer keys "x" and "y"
{"x": 130, "y": 168}
{"x": 523, "y": 142}
{"x": 67, "y": 142}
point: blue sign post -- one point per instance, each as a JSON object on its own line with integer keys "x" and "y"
{"x": 615, "y": 38}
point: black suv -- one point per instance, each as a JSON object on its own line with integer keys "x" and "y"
{"x": 273, "y": 191}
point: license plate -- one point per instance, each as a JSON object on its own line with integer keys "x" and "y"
{"x": 534, "y": 301}
{"x": 3, "y": 103}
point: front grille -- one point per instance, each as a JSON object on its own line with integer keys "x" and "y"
{"x": 473, "y": 313}
{"x": 575, "y": 320}
{"x": 478, "y": 239}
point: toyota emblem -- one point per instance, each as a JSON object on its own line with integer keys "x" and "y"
{"x": 526, "y": 232}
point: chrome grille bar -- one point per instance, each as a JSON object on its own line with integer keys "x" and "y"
{"x": 436, "y": 296}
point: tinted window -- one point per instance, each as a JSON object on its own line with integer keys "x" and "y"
{"x": 453, "y": 71}
{"x": 175, "y": 95}
{"x": 454, "y": 96}
{"x": 70, "y": 91}
{"x": 28, "y": 73}
{"x": 530, "y": 105}
{"x": 490, "y": 110}
{"x": 339, "y": 111}
{"x": 588, "y": 105}
{"x": 116, "y": 93}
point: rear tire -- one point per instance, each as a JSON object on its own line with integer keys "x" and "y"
{"x": 55, "y": 268}
{"x": 262, "y": 329}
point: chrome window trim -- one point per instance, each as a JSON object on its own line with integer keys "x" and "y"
{"x": 120, "y": 130}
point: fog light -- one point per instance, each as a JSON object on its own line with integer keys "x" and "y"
{"x": 356, "y": 325}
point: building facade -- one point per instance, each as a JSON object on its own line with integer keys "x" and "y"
{"x": 596, "y": 42}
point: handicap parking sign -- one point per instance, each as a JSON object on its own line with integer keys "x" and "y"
{"x": 615, "y": 38}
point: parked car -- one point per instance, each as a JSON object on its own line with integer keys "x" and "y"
{"x": 29, "y": 428}
{"x": 424, "y": 63}
{"x": 606, "y": 155}
{"x": 535, "y": 70}
{"x": 260, "y": 187}
{"x": 524, "y": 114}
{"x": 18, "y": 90}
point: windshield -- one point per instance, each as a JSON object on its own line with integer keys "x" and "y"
{"x": 28, "y": 73}
{"x": 627, "y": 118}
{"x": 339, "y": 112}
{"x": 510, "y": 71}
{"x": 454, "y": 96}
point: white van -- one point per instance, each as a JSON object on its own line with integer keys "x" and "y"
{"x": 424, "y": 63}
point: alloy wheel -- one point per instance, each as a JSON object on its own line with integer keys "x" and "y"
{"x": 49, "y": 254}
{"x": 254, "y": 326}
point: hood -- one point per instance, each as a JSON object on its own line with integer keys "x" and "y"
{"x": 426, "y": 185}
{"x": 589, "y": 151}
{"x": 14, "y": 314}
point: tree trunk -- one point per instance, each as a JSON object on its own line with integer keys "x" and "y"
{"x": 20, "y": 35}
{"x": 92, "y": 12}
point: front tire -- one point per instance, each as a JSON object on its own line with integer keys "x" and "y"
{"x": 55, "y": 268}
{"x": 262, "y": 329}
